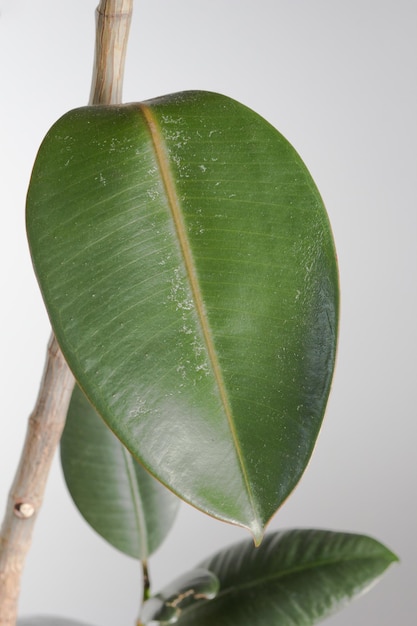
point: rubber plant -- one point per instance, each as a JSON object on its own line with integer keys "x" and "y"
{"x": 188, "y": 268}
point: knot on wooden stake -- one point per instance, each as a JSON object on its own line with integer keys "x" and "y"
{"x": 24, "y": 509}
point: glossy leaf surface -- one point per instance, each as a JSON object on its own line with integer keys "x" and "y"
{"x": 191, "y": 588}
{"x": 115, "y": 494}
{"x": 295, "y": 578}
{"x": 188, "y": 268}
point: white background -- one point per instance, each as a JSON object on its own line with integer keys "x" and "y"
{"x": 338, "y": 79}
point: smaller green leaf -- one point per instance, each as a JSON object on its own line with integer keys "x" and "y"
{"x": 114, "y": 493}
{"x": 191, "y": 588}
{"x": 295, "y": 578}
{"x": 48, "y": 621}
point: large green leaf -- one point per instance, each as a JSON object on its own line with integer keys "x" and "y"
{"x": 295, "y": 578}
{"x": 116, "y": 496}
{"x": 188, "y": 268}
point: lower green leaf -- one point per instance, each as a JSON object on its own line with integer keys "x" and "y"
{"x": 295, "y": 578}
{"x": 114, "y": 493}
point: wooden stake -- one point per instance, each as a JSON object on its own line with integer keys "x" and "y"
{"x": 113, "y": 19}
{"x": 26, "y": 494}
{"x": 48, "y": 418}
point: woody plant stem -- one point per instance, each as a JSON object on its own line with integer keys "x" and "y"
{"x": 47, "y": 420}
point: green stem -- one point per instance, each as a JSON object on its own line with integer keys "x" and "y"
{"x": 146, "y": 581}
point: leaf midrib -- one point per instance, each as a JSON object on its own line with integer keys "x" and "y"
{"x": 275, "y": 577}
{"x": 174, "y": 205}
{"x": 137, "y": 505}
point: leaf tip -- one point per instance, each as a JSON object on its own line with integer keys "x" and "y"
{"x": 257, "y": 531}
{"x": 392, "y": 557}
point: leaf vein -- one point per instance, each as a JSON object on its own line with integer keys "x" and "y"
{"x": 172, "y": 197}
